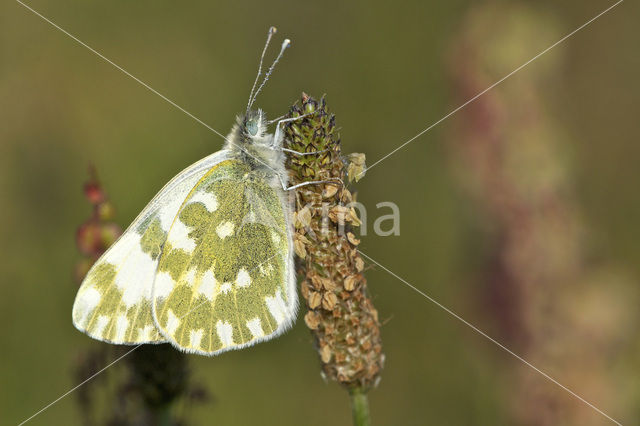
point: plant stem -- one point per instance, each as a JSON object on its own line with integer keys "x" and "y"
{"x": 340, "y": 312}
{"x": 359, "y": 407}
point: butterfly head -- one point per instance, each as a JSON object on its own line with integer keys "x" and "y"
{"x": 251, "y": 142}
{"x": 253, "y": 124}
{"x": 249, "y": 136}
{"x": 249, "y": 132}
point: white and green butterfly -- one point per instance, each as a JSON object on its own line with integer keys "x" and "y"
{"x": 208, "y": 264}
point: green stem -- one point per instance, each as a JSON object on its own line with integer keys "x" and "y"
{"x": 359, "y": 407}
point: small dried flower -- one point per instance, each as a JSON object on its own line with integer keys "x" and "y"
{"x": 356, "y": 168}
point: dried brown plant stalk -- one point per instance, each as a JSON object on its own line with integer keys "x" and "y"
{"x": 551, "y": 303}
{"x": 340, "y": 313}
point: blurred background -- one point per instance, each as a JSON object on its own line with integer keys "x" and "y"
{"x": 516, "y": 212}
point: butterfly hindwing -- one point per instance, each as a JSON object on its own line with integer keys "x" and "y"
{"x": 113, "y": 303}
{"x": 225, "y": 277}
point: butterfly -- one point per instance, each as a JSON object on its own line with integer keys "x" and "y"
{"x": 208, "y": 264}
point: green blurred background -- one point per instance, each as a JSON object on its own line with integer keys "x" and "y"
{"x": 385, "y": 67}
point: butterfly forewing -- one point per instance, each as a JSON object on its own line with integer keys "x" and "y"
{"x": 114, "y": 300}
{"x": 225, "y": 276}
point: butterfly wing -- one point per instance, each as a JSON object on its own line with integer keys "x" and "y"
{"x": 113, "y": 303}
{"x": 225, "y": 277}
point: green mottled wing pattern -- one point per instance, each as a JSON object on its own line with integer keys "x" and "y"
{"x": 113, "y": 303}
{"x": 225, "y": 275}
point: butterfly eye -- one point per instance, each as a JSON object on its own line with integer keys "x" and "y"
{"x": 252, "y": 127}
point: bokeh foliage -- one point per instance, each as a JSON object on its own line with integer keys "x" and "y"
{"x": 383, "y": 66}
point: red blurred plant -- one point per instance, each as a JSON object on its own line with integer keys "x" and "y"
{"x": 550, "y": 302}
{"x": 98, "y": 232}
{"x": 141, "y": 389}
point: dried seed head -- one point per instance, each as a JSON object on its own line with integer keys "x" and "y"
{"x": 350, "y": 282}
{"x": 303, "y": 216}
{"x": 341, "y": 316}
{"x": 340, "y": 214}
{"x": 354, "y": 217}
{"x": 356, "y": 168}
{"x": 299, "y": 246}
{"x": 329, "y": 301}
{"x": 352, "y": 239}
{"x": 329, "y": 191}
{"x": 325, "y": 354}
{"x": 314, "y": 300}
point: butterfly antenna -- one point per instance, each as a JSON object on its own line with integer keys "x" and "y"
{"x": 286, "y": 43}
{"x": 270, "y": 34}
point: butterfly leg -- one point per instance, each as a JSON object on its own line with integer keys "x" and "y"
{"x": 303, "y": 153}
{"x": 270, "y": 122}
{"x": 313, "y": 182}
{"x": 277, "y": 140}
{"x": 277, "y": 137}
